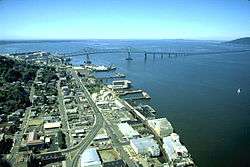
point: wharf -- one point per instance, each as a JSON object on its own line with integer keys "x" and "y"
{"x": 145, "y": 96}
{"x": 123, "y": 93}
{"x": 115, "y": 76}
{"x": 148, "y": 108}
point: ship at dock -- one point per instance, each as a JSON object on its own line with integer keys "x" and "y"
{"x": 100, "y": 68}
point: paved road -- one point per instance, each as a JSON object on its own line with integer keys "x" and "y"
{"x": 115, "y": 140}
{"x": 64, "y": 116}
{"x": 118, "y": 146}
{"x": 98, "y": 123}
{"x": 81, "y": 146}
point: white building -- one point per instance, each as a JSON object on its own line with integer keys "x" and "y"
{"x": 101, "y": 135}
{"x": 161, "y": 126}
{"x": 80, "y": 131}
{"x": 145, "y": 146}
{"x": 90, "y": 158}
{"x": 52, "y": 125}
{"x": 120, "y": 84}
{"x": 175, "y": 151}
{"x": 128, "y": 131}
{"x": 32, "y": 136}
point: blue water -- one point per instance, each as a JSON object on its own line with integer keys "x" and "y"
{"x": 196, "y": 93}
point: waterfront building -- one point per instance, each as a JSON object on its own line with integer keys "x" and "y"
{"x": 161, "y": 126}
{"x": 120, "y": 84}
{"x": 145, "y": 146}
{"x": 176, "y": 152}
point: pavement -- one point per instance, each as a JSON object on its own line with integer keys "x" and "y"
{"x": 64, "y": 117}
{"x": 112, "y": 133}
{"x": 97, "y": 126}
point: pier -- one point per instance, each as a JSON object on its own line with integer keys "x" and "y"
{"x": 129, "y": 92}
{"x": 145, "y": 96}
{"x": 116, "y": 76}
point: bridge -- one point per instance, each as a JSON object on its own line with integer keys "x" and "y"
{"x": 87, "y": 52}
{"x": 129, "y": 51}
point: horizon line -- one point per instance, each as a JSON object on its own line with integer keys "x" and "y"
{"x": 81, "y": 39}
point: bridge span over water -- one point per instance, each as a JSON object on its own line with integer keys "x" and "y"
{"x": 129, "y": 51}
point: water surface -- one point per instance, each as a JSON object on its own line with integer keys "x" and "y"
{"x": 196, "y": 93}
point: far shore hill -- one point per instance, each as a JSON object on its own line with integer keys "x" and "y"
{"x": 241, "y": 41}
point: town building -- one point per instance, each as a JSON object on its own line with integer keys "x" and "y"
{"x": 101, "y": 136}
{"x": 90, "y": 158}
{"x": 2, "y": 136}
{"x": 127, "y": 131}
{"x": 52, "y": 125}
{"x": 33, "y": 140}
{"x": 176, "y": 152}
{"x": 120, "y": 84}
{"x": 145, "y": 146}
{"x": 111, "y": 158}
{"x": 161, "y": 126}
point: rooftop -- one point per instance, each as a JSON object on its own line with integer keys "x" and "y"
{"x": 90, "y": 158}
{"x": 127, "y": 130}
{"x": 50, "y": 125}
{"x": 173, "y": 147}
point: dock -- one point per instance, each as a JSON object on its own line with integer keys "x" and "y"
{"x": 145, "y": 96}
{"x": 115, "y": 76}
{"x": 130, "y": 92}
{"x": 146, "y": 110}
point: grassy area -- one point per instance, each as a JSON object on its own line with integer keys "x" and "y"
{"x": 35, "y": 122}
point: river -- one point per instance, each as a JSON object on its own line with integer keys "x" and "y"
{"x": 196, "y": 93}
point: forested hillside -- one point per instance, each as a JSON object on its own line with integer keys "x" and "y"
{"x": 15, "y": 82}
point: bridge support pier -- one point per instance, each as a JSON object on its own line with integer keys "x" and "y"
{"x": 162, "y": 56}
{"x": 129, "y": 56}
{"x": 145, "y": 56}
{"x": 87, "y": 61}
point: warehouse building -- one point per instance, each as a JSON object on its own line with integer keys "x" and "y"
{"x": 90, "y": 158}
{"x": 145, "y": 146}
{"x": 127, "y": 131}
{"x": 161, "y": 126}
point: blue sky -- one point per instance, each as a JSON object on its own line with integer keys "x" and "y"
{"x": 124, "y": 19}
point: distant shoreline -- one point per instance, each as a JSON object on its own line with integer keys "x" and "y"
{"x": 5, "y": 42}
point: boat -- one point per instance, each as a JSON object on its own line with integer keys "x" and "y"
{"x": 100, "y": 68}
{"x": 239, "y": 91}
